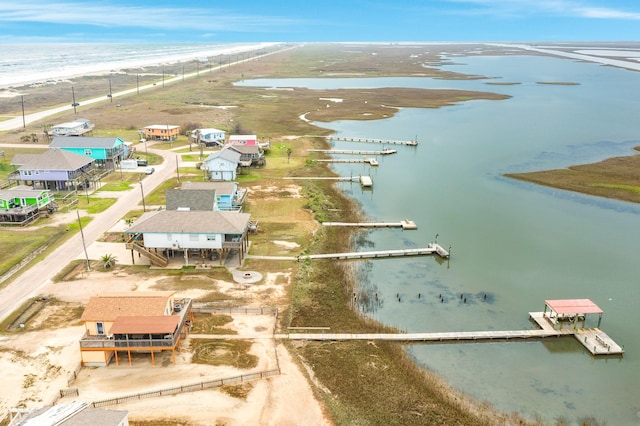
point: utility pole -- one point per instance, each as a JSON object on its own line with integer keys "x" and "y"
{"x": 144, "y": 207}
{"x": 84, "y": 246}
{"x": 24, "y": 124}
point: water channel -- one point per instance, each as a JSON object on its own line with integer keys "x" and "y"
{"x": 513, "y": 244}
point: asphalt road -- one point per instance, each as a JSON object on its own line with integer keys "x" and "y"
{"x": 29, "y": 283}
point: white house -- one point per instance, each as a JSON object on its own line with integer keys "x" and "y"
{"x": 76, "y": 127}
{"x": 222, "y": 165}
{"x": 243, "y": 140}
{"x": 210, "y": 137}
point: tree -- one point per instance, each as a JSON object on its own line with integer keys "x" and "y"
{"x": 109, "y": 261}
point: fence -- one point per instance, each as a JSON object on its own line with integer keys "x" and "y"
{"x": 267, "y": 310}
{"x": 187, "y": 388}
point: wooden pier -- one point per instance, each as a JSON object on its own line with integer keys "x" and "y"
{"x": 404, "y": 224}
{"x": 431, "y": 249}
{"x": 374, "y": 140}
{"x": 354, "y": 151}
{"x": 370, "y": 161}
{"x": 337, "y": 178}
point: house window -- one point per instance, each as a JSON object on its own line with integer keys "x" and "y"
{"x": 100, "y": 328}
{"x": 211, "y": 237}
{"x": 27, "y": 172}
{"x": 87, "y": 152}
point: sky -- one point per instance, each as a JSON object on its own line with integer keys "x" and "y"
{"x": 225, "y": 21}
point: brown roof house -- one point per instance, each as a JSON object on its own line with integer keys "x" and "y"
{"x": 129, "y": 322}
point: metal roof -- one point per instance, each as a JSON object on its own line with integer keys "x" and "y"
{"x": 53, "y": 159}
{"x": 85, "y": 142}
{"x": 191, "y": 222}
{"x": 573, "y": 306}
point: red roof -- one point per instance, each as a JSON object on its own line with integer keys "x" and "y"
{"x": 573, "y": 306}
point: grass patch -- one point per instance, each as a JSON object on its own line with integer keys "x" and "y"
{"x": 116, "y": 186}
{"x": 234, "y": 353}
{"x": 95, "y": 205}
{"x": 211, "y": 324}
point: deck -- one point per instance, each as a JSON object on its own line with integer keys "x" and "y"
{"x": 374, "y": 140}
{"x": 404, "y": 224}
{"x": 431, "y": 249}
{"x": 354, "y": 151}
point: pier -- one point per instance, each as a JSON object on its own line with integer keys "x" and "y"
{"x": 354, "y": 151}
{"x": 337, "y": 178}
{"x": 431, "y": 249}
{"x": 374, "y": 140}
{"x": 370, "y": 161}
{"x": 597, "y": 342}
{"x": 404, "y": 224}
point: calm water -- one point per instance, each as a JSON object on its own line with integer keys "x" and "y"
{"x": 517, "y": 243}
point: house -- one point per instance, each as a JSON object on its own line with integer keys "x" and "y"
{"x": 190, "y": 233}
{"x": 250, "y": 155}
{"x": 222, "y": 165}
{"x": 242, "y": 140}
{"x": 209, "y": 137}
{"x": 163, "y": 132}
{"x": 22, "y": 204}
{"x": 76, "y": 127}
{"x": 53, "y": 169}
{"x": 107, "y": 151}
{"x": 228, "y": 196}
{"x": 136, "y": 321}
{"x": 72, "y": 414}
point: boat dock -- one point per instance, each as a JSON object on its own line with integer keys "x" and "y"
{"x": 354, "y": 151}
{"x": 404, "y": 224}
{"x": 374, "y": 140}
{"x": 431, "y": 249}
{"x": 358, "y": 178}
{"x": 370, "y": 161}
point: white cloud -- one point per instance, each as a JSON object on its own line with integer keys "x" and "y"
{"x": 166, "y": 18}
{"x": 526, "y": 8}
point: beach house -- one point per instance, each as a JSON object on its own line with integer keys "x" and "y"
{"x": 107, "y": 152}
{"x": 22, "y": 204}
{"x": 250, "y": 155}
{"x": 209, "y": 137}
{"x": 76, "y": 127}
{"x": 228, "y": 197}
{"x": 222, "y": 165}
{"x": 162, "y": 132}
{"x": 136, "y": 321}
{"x": 53, "y": 169}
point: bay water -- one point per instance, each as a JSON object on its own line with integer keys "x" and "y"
{"x": 513, "y": 244}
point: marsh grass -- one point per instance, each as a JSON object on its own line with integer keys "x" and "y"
{"x": 234, "y": 353}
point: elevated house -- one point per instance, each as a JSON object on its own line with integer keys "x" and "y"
{"x": 78, "y": 127}
{"x": 209, "y": 137}
{"x": 147, "y": 322}
{"x": 242, "y": 140}
{"x": 193, "y": 234}
{"x": 22, "y": 204}
{"x": 250, "y": 155}
{"x": 222, "y": 165}
{"x": 107, "y": 152}
{"x": 162, "y": 132}
{"x": 54, "y": 169}
{"x": 228, "y": 196}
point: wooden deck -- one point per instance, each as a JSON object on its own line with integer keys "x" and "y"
{"x": 431, "y": 249}
{"x": 596, "y": 341}
{"x": 374, "y": 140}
{"x": 354, "y": 151}
{"x": 443, "y": 337}
{"x": 404, "y": 224}
{"x": 370, "y": 161}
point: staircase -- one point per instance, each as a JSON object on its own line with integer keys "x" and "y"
{"x": 155, "y": 259}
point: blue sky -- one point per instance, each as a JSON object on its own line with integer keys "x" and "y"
{"x": 216, "y": 21}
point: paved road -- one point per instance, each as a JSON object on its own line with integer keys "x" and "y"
{"x": 29, "y": 283}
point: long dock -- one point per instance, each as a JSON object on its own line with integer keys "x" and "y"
{"x": 431, "y": 249}
{"x": 374, "y": 140}
{"x": 354, "y": 151}
{"x": 370, "y": 161}
{"x": 404, "y": 224}
{"x": 428, "y": 337}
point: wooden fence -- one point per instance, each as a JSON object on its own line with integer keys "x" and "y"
{"x": 265, "y": 310}
{"x": 187, "y": 388}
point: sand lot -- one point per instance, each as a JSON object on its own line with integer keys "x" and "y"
{"x": 39, "y": 362}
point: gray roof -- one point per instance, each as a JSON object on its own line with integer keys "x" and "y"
{"x": 219, "y": 187}
{"x": 191, "y": 222}
{"x": 73, "y": 414}
{"x": 85, "y": 142}
{"x": 245, "y": 149}
{"x": 20, "y": 192}
{"x": 194, "y": 199}
{"x": 224, "y": 153}
{"x": 53, "y": 159}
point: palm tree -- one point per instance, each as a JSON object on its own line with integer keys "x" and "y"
{"x": 109, "y": 261}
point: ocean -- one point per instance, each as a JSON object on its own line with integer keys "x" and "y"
{"x": 23, "y": 64}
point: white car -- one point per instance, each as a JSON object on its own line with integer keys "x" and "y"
{"x": 149, "y": 170}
